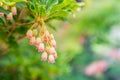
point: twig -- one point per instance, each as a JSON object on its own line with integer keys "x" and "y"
{"x": 23, "y": 24}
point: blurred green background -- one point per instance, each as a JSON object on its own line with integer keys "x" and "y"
{"x": 92, "y": 34}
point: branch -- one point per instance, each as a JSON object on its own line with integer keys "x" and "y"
{"x": 23, "y": 24}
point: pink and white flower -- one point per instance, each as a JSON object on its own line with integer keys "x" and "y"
{"x": 44, "y": 56}
{"x": 35, "y": 32}
{"x": 46, "y": 37}
{"x": 52, "y": 51}
{"x": 51, "y": 59}
{"x": 48, "y": 49}
{"x": 44, "y": 42}
{"x": 53, "y": 43}
{"x": 32, "y": 40}
{"x": 9, "y": 16}
{"x": 41, "y": 47}
{"x": 14, "y": 10}
{"x": 1, "y": 14}
{"x": 96, "y": 68}
{"x": 29, "y": 34}
{"x": 38, "y": 41}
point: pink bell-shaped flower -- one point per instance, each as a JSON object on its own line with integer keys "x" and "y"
{"x": 9, "y": 16}
{"x": 41, "y": 47}
{"x": 32, "y": 40}
{"x": 29, "y": 34}
{"x": 51, "y": 59}
{"x": 5, "y": 7}
{"x": 38, "y": 41}
{"x": 1, "y": 14}
{"x": 53, "y": 43}
{"x": 14, "y": 10}
{"x": 44, "y": 56}
{"x": 52, "y": 51}
{"x": 46, "y": 37}
{"x": 35, "y": 32}
{"x": 47, "y": 49}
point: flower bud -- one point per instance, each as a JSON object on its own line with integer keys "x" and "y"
{"x": 46, "y": 32}
{"x": 44, "y": 56}
{"x": 52, "y": 51}
{"x": 41, "y": 47}
{"x": 1, "y": 14}
{"x": 14, "y": 10}
{"x": 5, "y": 7}
{"x": 48, "y": 49}
{"x": 29, "y": 34}
{"x": 46, "y": 37}
{"x": 51, "y": 59}
{"x": 42, "y": 31}
{"x": 52, "y": 37}
{"x": 9, "y": 16}
{"x": 35, "y": 32}
{"x": 32, "y": 40}
{"x": 38, "y": 41}
{"x": 53, "y": 43}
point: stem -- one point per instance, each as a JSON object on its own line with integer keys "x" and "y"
{"x": 23, "y": 24}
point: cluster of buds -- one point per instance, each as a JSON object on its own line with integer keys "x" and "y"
{"x": 43, "y": 41}
{"x": 12, "y": 8}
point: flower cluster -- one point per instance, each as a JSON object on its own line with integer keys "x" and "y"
{"x": 96, "y": 68}
{"x": 12, "y": 8}
{"x": 44, "y": 42}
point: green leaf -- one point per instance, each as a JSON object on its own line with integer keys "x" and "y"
{"x": 2, "y": 20}
{"x": 10, "y": 1}
{"x": 60, "y": 1}
{"x": 62, "y": 13}
{"x": 31, "y": 6}
{"x": 65, "y": 5}
{"x": 42, "y": 11}
{"x": 4, "y": 11}
{"x": 61, "y": 5}
{"x": 51, "y": 3}
{"x": 20, "y": 4}
{"x": 42, "y": 2}
{"x": 19, "y": 0}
